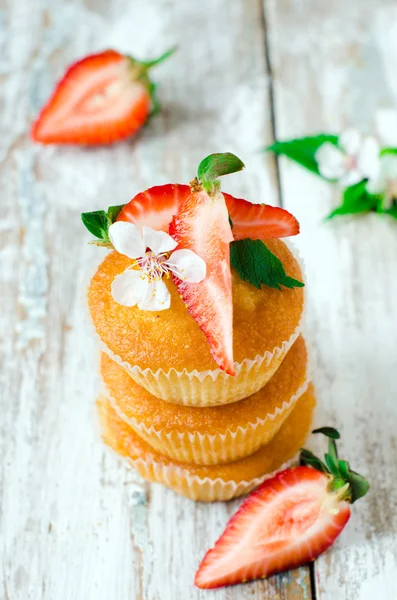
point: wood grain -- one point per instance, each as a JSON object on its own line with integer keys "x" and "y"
{"x": 333, "y": 66}
{"x": 74, "y": 522}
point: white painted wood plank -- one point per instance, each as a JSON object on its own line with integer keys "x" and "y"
{"x": 74, "y": 522}
{"x": 334, "y": 66}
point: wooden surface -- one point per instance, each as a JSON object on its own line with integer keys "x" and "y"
{"x": 75, "y": 523}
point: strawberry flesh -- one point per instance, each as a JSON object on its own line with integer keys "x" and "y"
{"x": 288, "y": 521}
{"x": 157, "y": 206}
{"x": 96, "y": 102}
{"x": 259, "y": 221}
{"x": 202, "y": 225}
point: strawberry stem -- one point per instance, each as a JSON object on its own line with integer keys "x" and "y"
{"x": 214, "y": 166}
{"x": 141, "y": 67}
{"x": 156, "y": 61}
{"x": 348, "y": 483}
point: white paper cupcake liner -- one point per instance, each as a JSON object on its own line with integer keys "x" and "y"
{"x": 196, "y": 488}
{"x": 212, "y": 449}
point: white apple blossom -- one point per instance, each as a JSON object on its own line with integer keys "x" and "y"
{"x": 385, "y": 181}
{"x": 141, "y": 284}
{"x": 356, "y": 158}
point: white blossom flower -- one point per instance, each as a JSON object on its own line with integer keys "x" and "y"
{"x": 357, "y": 158}
{"x": 385, "y": 181}
{"x": 141, "y": 284}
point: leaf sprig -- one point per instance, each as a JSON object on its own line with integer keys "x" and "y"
{"x": 339, "y": 471}
{"x": 356, "y": 198}
{"x": 255, "y": 263}
{"x": 98, "y": 223}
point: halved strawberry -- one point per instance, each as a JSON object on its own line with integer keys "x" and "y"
{"x": 288, "y": 521}
{"x": 202, "y": 225}
{"x": 101, "y": 99}
{"x": 259, "y": 221}
{"x": 156, "y": 207}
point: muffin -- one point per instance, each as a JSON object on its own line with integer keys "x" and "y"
{"x": 210, "y": 435}
{"x": 167, "y": 353}
{"x": 216, "y": 482}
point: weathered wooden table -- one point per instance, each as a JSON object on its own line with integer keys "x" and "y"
{"x": 75, "y": 523}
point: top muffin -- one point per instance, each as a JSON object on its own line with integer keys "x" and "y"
{"x": 171, "y": 339}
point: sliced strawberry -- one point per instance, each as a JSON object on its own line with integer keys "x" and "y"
{"x": 156, "y": 207}
{"x": 202, "y": 225}
{"x": 101, "y": 99}
{"x": 259, "y": 221}
{"x": 288, "y": 521}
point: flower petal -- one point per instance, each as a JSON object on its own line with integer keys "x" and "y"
{"x": 127, "y": 239}
{"x": 129, "y": 287}
{"x": 157, "y": 297}
{"x": 350, "y": 141}
{"x": 331, "y": 161}
{"x": 351, "y": 177}
{"x": 187, "y": 266}
{"x": 368, "y": 159}
{"x": 158, "y": 241}
{"x": 387, "y": 173}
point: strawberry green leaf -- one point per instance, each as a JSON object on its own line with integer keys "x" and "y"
{"x": 358, "y": 485}
{"x": 156, "y": 106}
{"x": 255, "y": 263}
{"x": 113, "y": 212}
{"x": 331, "y": 463}
{"x": 330, "y": 432}
{"x": 356, "y": 199}
{"x": 216, "y": 165}
{"x": 303, "y": 150}
{"x": 307, "y": 457}
{"x": 332, "y": 457}
{"x": 97, "y": 223}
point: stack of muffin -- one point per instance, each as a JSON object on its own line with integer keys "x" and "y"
{"x": 179, "y": 419}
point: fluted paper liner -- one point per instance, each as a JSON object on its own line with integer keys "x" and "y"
{"x": 209, "y": 388}
{"x": 206, "y": 449}
{"x": 209, "y": 435}
{"x": 208, "y": 486}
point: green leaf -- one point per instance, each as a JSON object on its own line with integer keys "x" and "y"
{"x": 388, "y": 151}
{"x": 97, "y": 223}
{"x": 216, "y": 165}
{"x": 356, "y": 199}
{"x": 358, "y": 485}
{"x": 355, "y": 485}
{"x": 308, "y": 458}
{"x": 255, "y": 263}
{"x": 156, "y": 106}
{"x": 332, "y": 457}
{"x": 114, "y": 211}
{"x": 392, "y": 211}
{"x": 303, "y": 150}
{"x": 330, "y": 432}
